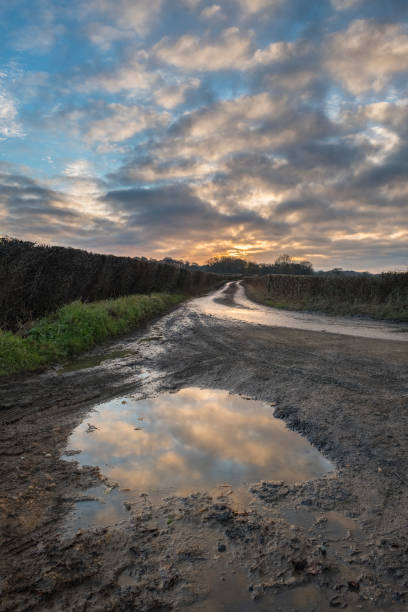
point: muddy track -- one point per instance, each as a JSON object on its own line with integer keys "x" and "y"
{"x": 348, "y": 396}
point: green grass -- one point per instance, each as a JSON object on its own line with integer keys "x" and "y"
{"x": 77, "y": 327}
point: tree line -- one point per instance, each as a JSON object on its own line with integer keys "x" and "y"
{"x": 284, "y": 264}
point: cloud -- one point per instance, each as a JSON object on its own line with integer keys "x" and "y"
{"x": 152, "y": 170}
{"x": 343, "y": 5}
{"x": 130, "y": 76}
{"x": 122, "y": 122}
{"x": 189, "y": 53}
{"x": 83, "y": 189}
{"x": 254, "y": 6}
{"x": 162, "y": 215}
{"x": 27, "y": 200}
{"x": 393, "y": 114}
{"x": 78, "y": 169}
{"x": 136, "y": 15}
{"x": 286, "y": 66}
{"x": 210, "y": 135}
{"x": 278, "y": 52}
{"x": 289, "y": 133}
{"x": 171, "y": 96}
{"x": 10, "y": 126}
{"x": 367, "y": 55}
{"x": 103, "y": 35}
{"x": 192, "y": 4}
{"x": 41, "y": 33}
{"x": 37, "y": 39}
{"x": 211, "y": 11}
{"x": 34, "y": 210}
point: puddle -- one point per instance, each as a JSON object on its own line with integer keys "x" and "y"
{"x": 332, "y": 524}
{"x": 300, "y": 518}
{"x": 339, "y": 526}
{"x": 195, "y": 439}
{"x": 243, "y": 309}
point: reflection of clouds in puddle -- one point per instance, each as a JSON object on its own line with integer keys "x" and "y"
{"x": 195, "y": 438}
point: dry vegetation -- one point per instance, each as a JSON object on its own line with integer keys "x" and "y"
{"x": 382, "y": 297}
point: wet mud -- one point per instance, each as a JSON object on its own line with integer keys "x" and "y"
{"x": 335, "y": 541}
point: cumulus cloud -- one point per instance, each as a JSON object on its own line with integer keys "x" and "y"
{"x": 278, "y": 52}
{"x": 393, "y": 114}
{"x": 190, "y": 53}
{"x": 131, "y": 76}
{"x": 248, "y": 123}
{"x": 122, "y": 122}
{"x": 171, "y": 96}
{"x": 367, "y": 54}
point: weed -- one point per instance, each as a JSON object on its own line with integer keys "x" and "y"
{"x": 77, "y": 327}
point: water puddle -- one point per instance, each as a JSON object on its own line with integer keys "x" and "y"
{"x": 239, "y": 307}
{"x": 334, "y": 525}
{"x": 179, "y": 443}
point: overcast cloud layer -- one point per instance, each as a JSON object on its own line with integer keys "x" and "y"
{"x": 189, "y": 128}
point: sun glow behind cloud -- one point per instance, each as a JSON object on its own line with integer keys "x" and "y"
{"x": 189, "y": 128}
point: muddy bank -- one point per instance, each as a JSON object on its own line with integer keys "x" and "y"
{"x": 334, "y": 542}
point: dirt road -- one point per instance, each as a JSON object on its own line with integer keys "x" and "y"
{"x": 340, "y": 541}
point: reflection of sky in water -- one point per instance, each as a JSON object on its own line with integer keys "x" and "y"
{"x": 193, "y": 439}
{"x": 244, "y": 309}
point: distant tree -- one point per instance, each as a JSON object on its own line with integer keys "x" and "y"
{"x": 284, "y": 264}
{"x": 227, "y": 265}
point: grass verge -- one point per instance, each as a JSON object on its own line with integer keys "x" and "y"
{"x": 77, "y": 327}
{"x": 387, "y": 311}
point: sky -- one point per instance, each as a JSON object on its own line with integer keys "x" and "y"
{"x": 192, "y": 128}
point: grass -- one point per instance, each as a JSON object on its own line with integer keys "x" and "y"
{"x": 328, "y": 296}
{"x": 76, "y": 328}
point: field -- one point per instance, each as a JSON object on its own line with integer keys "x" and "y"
{"x": 381, "y": 297}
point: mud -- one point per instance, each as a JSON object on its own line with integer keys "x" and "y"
{"x": 333, "y": 542}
